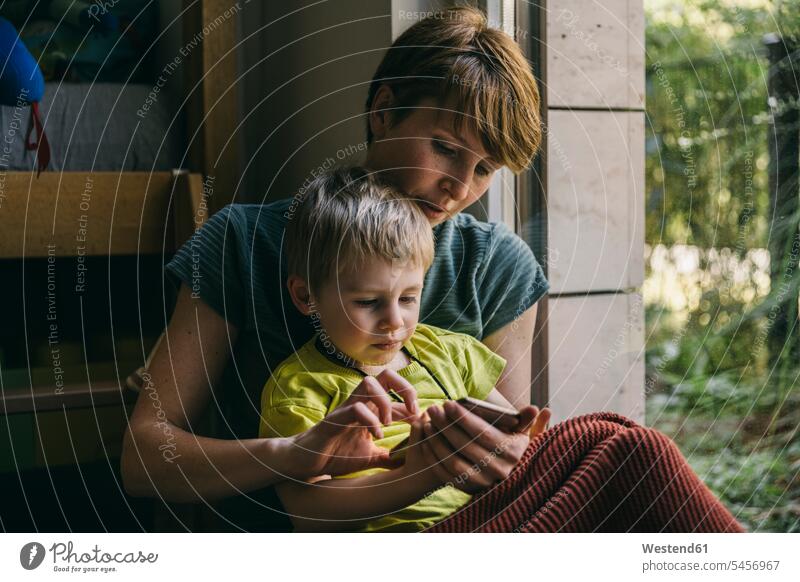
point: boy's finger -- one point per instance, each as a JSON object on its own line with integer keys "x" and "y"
{"x": 364, "y": 417}
{"x": 372, "y": 391}
{"x": 391, "y": 380}
{"x": 400, "y": 413}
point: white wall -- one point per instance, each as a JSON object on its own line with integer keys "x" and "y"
{"x": 307, "y": 68}
{"x": 595, "y": 206}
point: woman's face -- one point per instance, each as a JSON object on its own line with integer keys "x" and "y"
{"x": 423, "y": 157}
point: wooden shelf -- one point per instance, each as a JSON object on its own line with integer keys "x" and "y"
{"x": 41, "y": 398}
{"x": 97, "y": 213}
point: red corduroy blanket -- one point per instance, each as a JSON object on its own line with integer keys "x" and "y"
{"x": 599, "y": 472}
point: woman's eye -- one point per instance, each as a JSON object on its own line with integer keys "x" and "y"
{"x": 443, "y": 148}
{"x": 484, "y": 171}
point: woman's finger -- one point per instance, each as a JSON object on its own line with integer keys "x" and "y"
{"x": 459, "y": 441}
{"x": 432, "y": 462}
{"x": 416, "y": 435}
{"x": 449, "y": 459}
{"x": 443, "y": 472}
{"x": 383, "y": 460}
{"x": 491, "y": 462}
{"x": 526, "y": 417}
{"x": 540, "y": 423}
{"x": 477, "y": 429}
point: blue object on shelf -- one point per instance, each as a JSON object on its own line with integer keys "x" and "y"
{"x": 22, "y": 83}
{"x": 21, "y": 80}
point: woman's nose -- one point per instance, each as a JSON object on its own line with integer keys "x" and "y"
{"x": 456, "y": 184}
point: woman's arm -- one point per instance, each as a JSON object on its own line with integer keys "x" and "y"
{"x": 514, "y": 342}
{"x": 346, "y": 504}
{"x": 160, "y": 455}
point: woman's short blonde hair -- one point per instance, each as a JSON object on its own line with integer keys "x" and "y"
{"x": 456, "y": 58}
{"x": 346, "y": 218}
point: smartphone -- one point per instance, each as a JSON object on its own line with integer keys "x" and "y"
{"x": 500, "y": 416}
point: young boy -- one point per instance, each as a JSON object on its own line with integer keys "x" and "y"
{"x": 358, "y": 252}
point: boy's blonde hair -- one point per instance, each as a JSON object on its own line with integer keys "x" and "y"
{"x": 346, "y": 218}
{"x": 454, "y": 57}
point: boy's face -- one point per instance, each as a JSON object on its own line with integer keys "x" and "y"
{"x": 370, "y": 313}
{"x": 424, "y": 158}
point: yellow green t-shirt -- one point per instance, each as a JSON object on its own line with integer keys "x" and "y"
{"x": 307, "y": 386}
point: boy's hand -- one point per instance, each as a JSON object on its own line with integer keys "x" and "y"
{"x": 416, "y": 464}
{"x": 374, "y": 392}
{"x": 470, "y": 453}
{"x": 343, "y": 442}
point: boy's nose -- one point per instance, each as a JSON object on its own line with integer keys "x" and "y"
{"x": 392, "y": 319}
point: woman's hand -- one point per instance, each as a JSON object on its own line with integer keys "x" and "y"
{"x": 343, "y": 442}
{"x": 471, "y": 454}
{"x": 415, "y": 464}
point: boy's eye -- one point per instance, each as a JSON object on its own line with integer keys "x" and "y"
{"x": 365, "y": 302}
{"x": 409, "y": 299}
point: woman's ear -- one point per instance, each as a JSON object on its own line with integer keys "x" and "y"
{"x": 380, "y": 112}
{"x": 300, "y": 294}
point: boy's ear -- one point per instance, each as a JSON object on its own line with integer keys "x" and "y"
{"x": 379, "y": 114}
{"x": 300, "y": 294}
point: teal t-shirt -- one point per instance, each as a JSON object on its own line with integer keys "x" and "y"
{"x": 483, "y": 277}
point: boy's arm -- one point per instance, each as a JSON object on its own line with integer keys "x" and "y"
{"x": 346, "y": 504}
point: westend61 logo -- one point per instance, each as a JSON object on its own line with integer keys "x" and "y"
{"x": 65, "y": 559}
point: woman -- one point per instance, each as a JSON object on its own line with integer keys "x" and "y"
{"x": 452, "y": 101}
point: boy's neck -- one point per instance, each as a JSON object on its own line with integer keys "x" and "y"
{"x": 400, "y": 360}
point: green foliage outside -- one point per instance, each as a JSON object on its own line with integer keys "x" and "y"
{"x": 714, "y": 380}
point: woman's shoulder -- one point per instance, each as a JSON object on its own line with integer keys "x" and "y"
{"x": 473, "y": 237}
{"x": 248, "y": 217}
{"x": 236, "y": 228}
